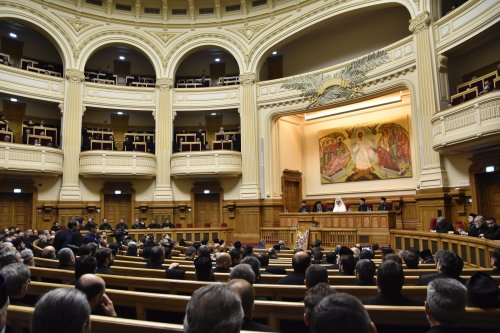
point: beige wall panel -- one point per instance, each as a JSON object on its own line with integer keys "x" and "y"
{"x": 290, "y": 143}
{"x": 457, "y": 168}
{"x": 48, "y": 188}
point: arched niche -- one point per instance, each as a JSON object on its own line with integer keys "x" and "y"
{"x": 25, "y": 40}
{"x": 335, "y": 40}
{"x": 207, "y": 63}
{"x": 122, "y": 60}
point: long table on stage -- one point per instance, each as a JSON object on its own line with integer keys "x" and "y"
{"x": 370, "y": 226}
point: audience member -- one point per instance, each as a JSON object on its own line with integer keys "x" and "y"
{"x": 4, "y": 303}
{"x": 17, "y": 277}
{"x": 245, "y": 291}
{"x": 300, "y": 261}
{"x": 62, "y": 310}
{"x": 410, "y": 258}
{"x": 203, "y": 268}
{"x": 363, "y": 207}
{"x": 94, "y": 288}
{"x": 347, "y": 265}
{"x": 313, "y": 297}
{"x": 341, "y": 313}
{"x": 448, "y": 264}
{"x": 315, "y": 274}
{"x": 105, "y": 225}
{"x": 495, "y": 262}
{"x": 225, "y": 312}
{"x": 244, "y": 272}
{"x": 104, "y": 259}
{"x": 156, "y": 258}
{"x": 393, "y": 257}
{"x": 9, "y": 257}
{"x": 445, "y": 304}
{"x": 365, "y": 273}
{"x": 49, "y": 252}
{"x": 477, "y": 228}
{"x": 28, "y": 257}
{"x": 384, "y": 206}
{"x": 190, "y": 253}
{"x": 66, "y": 259}
{"x": 255, "y": 264}
{"x": 235, "y": 256}
{"x": 482, "y": 291}
{"x": 492, "y": 230}
{"x": 132, "y": 249}
{"x": 331, "y": 258}
{"x": 390, "y": 280}
{"x": 84, "y": 265}
{"x": 443, "y": 225}
{"x": 222, "y": 263}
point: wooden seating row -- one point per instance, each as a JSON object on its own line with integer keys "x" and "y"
{"x": 158, "y": 307}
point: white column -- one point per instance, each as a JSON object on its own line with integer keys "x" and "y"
{"x": 249, "y": 138}
{"x": 163, "y": 138}
{"x": 71, "y": 135}
{"x": 432, "y": 173}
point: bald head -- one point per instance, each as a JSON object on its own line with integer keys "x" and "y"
{"x": 245, "y": 291}
{"x": 300, "y": 261}
{"x": 93, "y": 287}
{"x": 223, "y": 260}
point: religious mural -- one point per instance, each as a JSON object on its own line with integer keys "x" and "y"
{"x": 365, "y": 152}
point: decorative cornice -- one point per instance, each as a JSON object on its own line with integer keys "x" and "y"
{"x": 420, "y": 22}
{"x": 442, "y": 61}
{"x": 250, "y": 31}
{"x": 77, "y": 24}
{"x": 164, "y": 36}
{"x": 75, "y": 75}
{"x": 164, "y": 84}
{"x": 247, "y": 79}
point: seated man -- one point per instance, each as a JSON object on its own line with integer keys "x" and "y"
{"x": 448, "y": 264}
{"x": 255, "y": 264}
{"x": 313, "y": 296}
{"x": 94, "y": 288}
{"x": 492, "y": 230}
{"x": 390, "y": 280}
{"x": 243, "y": 272}
{"x": 104, "y": 259}
{"x": 445, "y": 304}
{"x": 156, "y": 258}
{"x": 347, "y": 265}
{"x": 18, "y": 281}
{"x": 225, "y": 315}
{"x": 300, "y": 261}
{"x": 341, "y": 312}
{"x": 362, "y": 205}
{"x": 365, "y": 272}
{"x": 154, "y": 225}
{"x": 168, "y": 224}
{"x": 105, "y": 225}
{"x": 384, "y": 206}
{"x": 66, "y": 259}
{"x": 410, "y": 258}
{"x": 495, "y": 262}
{"x": 84, "y": 265}
{"x": 247, "y": 295}
{"x": 477, "y": 228}
{"x": 203, "y": 268}
{"x": 315, "y": 274}
{"x": 61, "y": 310}
{"x": 442, "y": 226}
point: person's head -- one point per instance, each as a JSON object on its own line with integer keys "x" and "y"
{"x": 85, "y": 265}
{"x": 242, "y": 271}
{"x": 203, "y": 268}
{"x": 223, "y": 260}
{"x": 49, "y": 252}
{"x": 365, "y": 270}
{"x": 338, "y": 200}
{"x": 300, "y": 261}
{"x": 331, "y": 257}
{"x": 341, "y": 313}
{"x": 190, "y": 252}
{"x": 73, "y": 225}
{"x": 390, "y": 277}
{"x": 410, "y": 258}
{"x": 28, "y": 258}
{"x": 366, "y": 254}
{"x": 225, "y": 315}
{"x": 9, "y": 257}
{"x": 18, "y": 278}
{"x": 347, "y": 264}
{"x": 491, "y": 222}
{"x": 254, "y": 263}
{"x": 104, "y": 257}
{"x": 66, "y": 257}
{"x": 204, "y": 251}
{"x": 362, "y": 201}
{"x": 263, "y": 259}
{"x": 132, "y": 249}
{"x": 93, "y": 287}
{"x": 316, "y": 253}
{"x": 312, "y": 298}
{"x": 157, "y": 254}
{"x": 479, "y": 221}
{"x": 383, "y": 200}
{"x": 235, "y": 256}
{"x": 315, "y": 274}
{"x": 449, "y": 263}
{"x": 445, "y": 302}
{"x": 393, "y": 257}
{"x": 482, "y": 290}
{"x": 62, "y": 310}
{"x": 245, "y": 291}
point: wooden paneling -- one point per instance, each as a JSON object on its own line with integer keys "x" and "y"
{"x": 116, "y": 207}
{"x": 247, "y": 226}
{"x": 15, "y": 210}
{"x": 207, "y": 210}
{"x": 291, "y": 187}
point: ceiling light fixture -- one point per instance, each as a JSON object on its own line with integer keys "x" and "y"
{"x": 121, "y": 57}
{"x": 217, "y": 59}
{"x": 275, "y": 53}
{"x": 13, "y": 35}
{"x": 13, "y": 99}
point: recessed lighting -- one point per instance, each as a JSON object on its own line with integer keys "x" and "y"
{"x": 13, "y": 35}
{"x": 217, "y": 59}
{"x": 121, "y": 57}
{"x": 275, "y": 53}
{"x": 17, "y": 190}
{"x": 119, "y": 113}
{"x": 12, "y": 99}
{"x": 213, "y": 114}
{"x": 206, "y": 191}
{"x": 490, "y": 168}
{"x": 118, "y": 192}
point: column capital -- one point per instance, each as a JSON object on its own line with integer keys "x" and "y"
{"x": 164, "y": 83}
{"x": 420, "y": 22}
{"x": 75, "y": 75}
{"x": 442, "y": 61}
{"x": 247, "y": 79}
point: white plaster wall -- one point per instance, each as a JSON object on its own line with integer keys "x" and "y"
{"x": 457, "y": 169}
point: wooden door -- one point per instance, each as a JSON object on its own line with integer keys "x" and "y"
{"x": 291, "y": 187}
{"x": 207, "y": 208}
{"x": 117, "y": 206}
{"x": 489, "y": 194}
{"x": 16, "y": 210}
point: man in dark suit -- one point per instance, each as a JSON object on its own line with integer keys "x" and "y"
{"x": 222, "y": 263}
{"x": 104, "y": 259}
{"x": 390, "y": 280}
{"x": 365, "y": 272}
{"x": 362, "y": 205}
{"x": 156, "y": 258}
{"x": 64, "y": 237}
{"x": 445, "y": 305}
{"x": 492, "y": 230}
{"x": 384, "y": 206}
{"x": 448, "y": 264}
{"x": 300, "y": 261}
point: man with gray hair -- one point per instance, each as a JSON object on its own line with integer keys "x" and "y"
{"x": 66, "y": 259}
{"x": 17, "y": 277}
{"x": 28, "y": 258}
{"x": 445, "y": 304}
{"x": 244, "y": 272}
{"x": 225, "y": 315}
{"x": 62, "y": 310}
{"x": 255, "y": 264}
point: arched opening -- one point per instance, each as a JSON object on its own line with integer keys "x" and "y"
{"x": 336, "y": 40}
{"x": 207, "y": 67}
{"x": 120, "y": 65}
{"x": 28, "y": 48}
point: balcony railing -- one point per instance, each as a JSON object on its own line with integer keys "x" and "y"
{"x": 33, "y": 159}
{"x": 206, "y": 163}
{"x": 117, "y": 163}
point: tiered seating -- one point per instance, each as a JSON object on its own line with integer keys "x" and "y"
{"x": 101, "y": 139}
{"x": 141, "y": 141}
{"x": 4, "y": 59}
{"x": 192, "y": 82}
{"x": 229, "y": 80}
{"x": 40, "y": 134}
{"x": 473, "y": 88}
{"x": 41, "y": 67}
{"x": 189, "y": 142}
